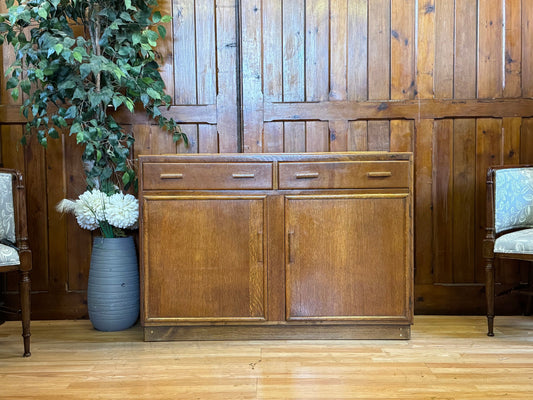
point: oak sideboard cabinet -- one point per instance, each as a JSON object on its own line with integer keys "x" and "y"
{"x": 259, "y": 246}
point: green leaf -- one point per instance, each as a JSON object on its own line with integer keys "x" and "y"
{"x": 153, "y": 94}
{"x": 166, "y": 18}
{"x": 128, "y": 5}
{"x": 130, "y": 104}
{"x": 15, "y": 94}
{"x": 42, "y": 12}
{"x": 162, "y": 31}
{"x": 58, "y": 48}
{"x": 156, "y": 17}
{"x": 80, "y": 137}
{"x": 12, "y": 83}
{"x": 25, "y": 85}
{"x": 77, "y": 56}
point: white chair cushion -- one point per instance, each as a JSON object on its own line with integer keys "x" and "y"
{"x": 7, "y": 213}
{"x": 8, "y": 256}
{"x": 519, "y": 242}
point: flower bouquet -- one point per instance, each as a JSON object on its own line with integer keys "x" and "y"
{"x": 95, "y": 209}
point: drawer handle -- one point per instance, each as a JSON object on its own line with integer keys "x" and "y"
{"x": 307, "y": 175}
{"x": 171, "y": 176}
{"x": 243, "y": 176}
{"x": 384, "y": 174}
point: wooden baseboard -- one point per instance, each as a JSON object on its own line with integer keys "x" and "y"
{"x": 277, "y": 332}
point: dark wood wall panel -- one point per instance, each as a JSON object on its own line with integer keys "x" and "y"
{"x": 450, "y": 80}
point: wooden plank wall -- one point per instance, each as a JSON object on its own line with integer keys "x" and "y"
{"x": 450, "y": 80}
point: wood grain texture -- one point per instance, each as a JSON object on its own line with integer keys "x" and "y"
{"x": 274, "y": 76}
{"x": 448, "y": 357}
{"x": 379, "y": 16}
{"x": 490, "y": 68}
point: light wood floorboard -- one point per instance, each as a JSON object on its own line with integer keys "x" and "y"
{"x": 447, "y": 358}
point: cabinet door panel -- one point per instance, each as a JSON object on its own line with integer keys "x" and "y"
{"x": 206, "y": 258}
{"x": 347, "y": 256}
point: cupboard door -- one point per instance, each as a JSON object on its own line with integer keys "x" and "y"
{"x": 348, "y": 257}
{"x": 204, "y": 258}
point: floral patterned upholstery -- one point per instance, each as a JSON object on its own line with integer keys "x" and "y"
{"x": 515, "y": 242}
{"x": 8, "y": 255}
{"x": 513, "y": 199}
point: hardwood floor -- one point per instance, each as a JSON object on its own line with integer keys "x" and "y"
{"x": 447, "y": 358}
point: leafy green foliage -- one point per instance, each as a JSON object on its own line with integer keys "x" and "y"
{"x": 72, "y": 82}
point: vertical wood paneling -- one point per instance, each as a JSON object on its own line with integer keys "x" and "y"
{"x": 78, "y": 240}
{"x": 513, "y": 49}
{"x": 424, "y": 202}
{"x": 293, "y": 51}
{"x": 191, "y": 130}
{"x": 165, "y": 50}
{"x": 272, "y": 51}
{"x": 402, "y": 49}
{"x": 357, "y": 50}
{"x": 338, "y": 135}
{"x": 464, "y": 82}
{"x": 316, "y": 46}
{"x": 401, "y": 135}
{"x": 205, "y": 51}
{"x": 443, "y": 200}
{"x": 526, "y": 141}
{"x": 378, "y": 135}
{"x": 379, "y": 14}
{"x": 252, "y": 94}
{"x": 490, "y": 72}
{"x": 294, "y": 133}
{"x": 207, "y": 139}
{"x": 425, "y": 61}
{"x": 358, "y": 136}
{"x": 57, "y": 227}
{"x": 511, "y": 140}
{"x": 184, "y": 29}
{"x": 338, "y": 39}
{"x": 273, "y": 137}
{"x": 463, "y": 202}
{"x": 444, "y": 39}
{"x": 317, "y": 133}
{"x": 227, "y": 121}
{"x": 527, "y": 48}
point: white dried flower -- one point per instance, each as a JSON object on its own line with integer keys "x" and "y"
{"x": 90, "y": 209}
{"x": 122, "y": 211}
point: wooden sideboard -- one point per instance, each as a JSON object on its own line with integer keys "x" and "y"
{"x": 259, "y": 246}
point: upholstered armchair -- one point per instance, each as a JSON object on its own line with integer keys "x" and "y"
{"x": 509, "y": 227}
{"x": 15, "y": 254}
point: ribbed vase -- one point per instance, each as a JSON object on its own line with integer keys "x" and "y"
{"x": 113, "y": 291}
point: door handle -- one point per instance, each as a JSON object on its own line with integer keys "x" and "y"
{"x": 243, "y": 176}
{"x": 383, "y": 174}
{"x": 290, "y": 244}
{"x": 307, "y": 175}
{"x": 171, "y": 176}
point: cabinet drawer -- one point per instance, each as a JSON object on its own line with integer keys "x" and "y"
{"x": 344, "y": 175}
{"x": 210, "y": 176}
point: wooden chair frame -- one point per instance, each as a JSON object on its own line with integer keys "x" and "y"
{"x": 488, "y": 244}
{"x": 25, "y": 266}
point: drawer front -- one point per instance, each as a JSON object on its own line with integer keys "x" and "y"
{"x": 344, "y": 175}
{"x": 209, "y": 176}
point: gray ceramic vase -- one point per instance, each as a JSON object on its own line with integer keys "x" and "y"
{"x": 113, "y": 291}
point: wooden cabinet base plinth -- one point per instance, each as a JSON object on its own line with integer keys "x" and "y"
{"x": 277, "y": 332}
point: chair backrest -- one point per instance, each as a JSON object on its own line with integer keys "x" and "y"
{"x": 7, "y": 212}
{"x": 513, "y": 198}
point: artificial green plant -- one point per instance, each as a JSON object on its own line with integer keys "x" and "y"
{"x": 77, "y": 61}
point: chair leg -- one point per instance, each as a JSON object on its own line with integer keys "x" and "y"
{"x": 489, "y": 292}
{"x": 25, "y": 306}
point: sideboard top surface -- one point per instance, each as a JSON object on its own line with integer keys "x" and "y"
{"x": 271, "y": 157}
